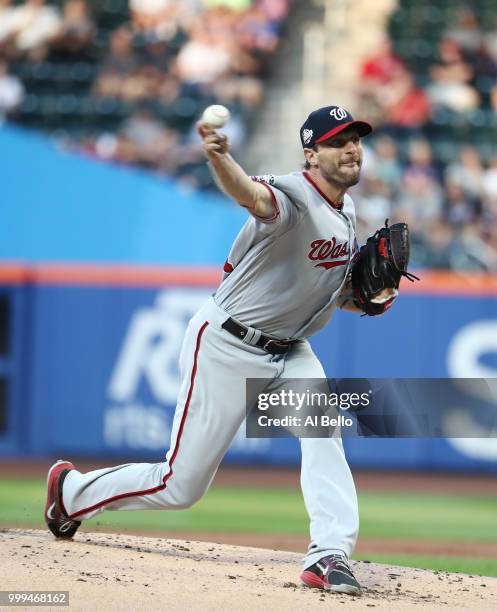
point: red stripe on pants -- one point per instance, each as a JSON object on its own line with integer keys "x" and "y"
{"x": 162, "y": 486}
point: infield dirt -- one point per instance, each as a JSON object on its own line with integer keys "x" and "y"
{"x": 121, "y": 572}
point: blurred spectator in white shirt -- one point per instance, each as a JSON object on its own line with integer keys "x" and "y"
{"x": 451, "y": 79}
{"x": 11, "y": 91}
{"x": 489, "y": 201}
{"x": 162, "y": 18}
{"x": 148, "y": 14}
{"x": 457, "y": 97}
{"x": 489, "y": 180}
{"x": 420, "y": 200}
{"x": 466, "y": 31}
{"x": 388, "y": 168}
{"x": 202, "y": 59}
{"x": 467, "y": 171}
{"x": 374, "y": 205}
{"x": 35, "y": 26}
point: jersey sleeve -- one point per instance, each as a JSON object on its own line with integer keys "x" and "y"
{"x": 285, "y": 215}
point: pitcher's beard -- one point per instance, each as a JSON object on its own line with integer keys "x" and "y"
{"x": 341, "y": 179}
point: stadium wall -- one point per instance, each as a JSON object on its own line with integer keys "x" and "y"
{"x": 92, "y": 352}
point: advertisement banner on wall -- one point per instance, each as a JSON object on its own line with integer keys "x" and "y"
{"x": 105, "y": 372}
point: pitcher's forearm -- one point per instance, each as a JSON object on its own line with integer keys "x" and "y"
{"x": 233, "y": 180}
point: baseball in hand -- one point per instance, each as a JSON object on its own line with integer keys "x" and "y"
{"x": 216, "y": 116}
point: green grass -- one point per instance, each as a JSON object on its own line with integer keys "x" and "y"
{"x": 281, "y": 511}
{"x": 482, "y": 567}
{"x": 222, "y": 510}
{"x": 388, "y": 516}
{"x": 429, "y": 516}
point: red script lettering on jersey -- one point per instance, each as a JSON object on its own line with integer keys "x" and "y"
{"x": 329, "y": 250}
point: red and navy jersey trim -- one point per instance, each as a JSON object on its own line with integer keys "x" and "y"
{"x": 335, "y": 205}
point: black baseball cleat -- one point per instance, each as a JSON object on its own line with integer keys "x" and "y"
{"x": 55, "y": 514}
{"x": 332, "y": 573}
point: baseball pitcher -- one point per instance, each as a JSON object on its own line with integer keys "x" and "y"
{"x": 293, "y": 263}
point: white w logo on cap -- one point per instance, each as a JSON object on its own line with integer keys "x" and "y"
{"x": 338, "y": 113}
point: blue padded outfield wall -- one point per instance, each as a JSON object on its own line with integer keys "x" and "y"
{"x": 61, "y": 207}
{"x": 90, "y": 365}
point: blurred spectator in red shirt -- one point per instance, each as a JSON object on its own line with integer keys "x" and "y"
{"x": 406, "y": 105}
{"x": 383, "y": 85}
{"x": 382, "y": 66}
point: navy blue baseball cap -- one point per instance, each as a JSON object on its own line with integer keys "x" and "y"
{"x": 328, "y": 121}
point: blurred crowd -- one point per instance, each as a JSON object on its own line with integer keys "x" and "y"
{"x": 165, "y": 60}
{"x": 168, "y": 60}
{"x": 185, "y": 55}
{"x": 451, "y": 210}
{"x": 35, "y": 28}
{"x": 462, "y": 78}
{"x": 451, "y": 207}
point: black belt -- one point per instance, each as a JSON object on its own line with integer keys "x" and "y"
{"x": 275, "y": 347}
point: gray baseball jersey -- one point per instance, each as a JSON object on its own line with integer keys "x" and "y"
{"x": 282, "y": 277}
{"x": 284, "y": 274}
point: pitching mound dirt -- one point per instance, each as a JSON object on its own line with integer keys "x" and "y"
{"x": 116, "y": 572}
